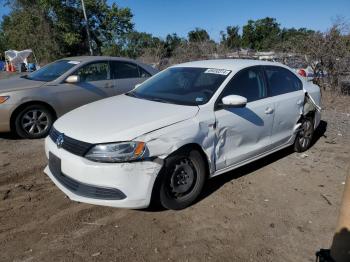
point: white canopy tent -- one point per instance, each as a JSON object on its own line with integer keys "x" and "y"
{"x": 18, "y": 57}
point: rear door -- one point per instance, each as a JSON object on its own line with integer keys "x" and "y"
{"x": 286, "y": 90}
{"x": 126, "y": 75}
{"x": 243, "y": 133}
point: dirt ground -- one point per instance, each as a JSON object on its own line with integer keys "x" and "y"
{"x": 282, "y": 208}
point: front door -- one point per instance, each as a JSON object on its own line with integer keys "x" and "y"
{"x": 243, "y": 133}
{"x": 95, "y": 84}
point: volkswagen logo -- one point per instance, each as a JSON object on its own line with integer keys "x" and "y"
{"x": 60, "y": 140}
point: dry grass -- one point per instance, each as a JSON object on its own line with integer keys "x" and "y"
{"x": 335, "y": 101}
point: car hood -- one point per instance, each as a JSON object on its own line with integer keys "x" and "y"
{"x": 18, "y": 83}
{"x": 120, "y": 118}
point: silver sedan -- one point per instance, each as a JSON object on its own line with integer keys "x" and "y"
{"x": 30, "y": 104}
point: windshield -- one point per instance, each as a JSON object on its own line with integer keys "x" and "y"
{"x": 52, "y": 71}
{"x": 182, "y": 85}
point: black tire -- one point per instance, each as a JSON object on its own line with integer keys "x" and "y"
{"x": 33, "y": 121}
{"x": 182, "y": 180}
{"x": 305, "y": 136}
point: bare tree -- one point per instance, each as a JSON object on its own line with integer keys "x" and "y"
{"x": 328, "y": 55}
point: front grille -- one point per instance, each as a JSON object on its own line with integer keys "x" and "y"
{"x": 79, "y": 188}
{"x": 73, "y": 146}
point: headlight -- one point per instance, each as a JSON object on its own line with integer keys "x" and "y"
{"x": 116, "y": 152}
{"x": 3, "y": 99}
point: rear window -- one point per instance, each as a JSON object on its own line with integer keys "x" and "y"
{"x": 282, "y": 81}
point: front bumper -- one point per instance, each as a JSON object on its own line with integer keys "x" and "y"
{"x": 5, "y": 115}
{"x": 134, "y": 180}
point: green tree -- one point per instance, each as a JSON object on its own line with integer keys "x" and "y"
{"x": 33, "y": 30}
{"x": 198, "y": 35}
{"x": 231, "y": 39}
{"x": 171, "y": 43}
{"x": 291, "y": 37}
{"x": 136, "y": 42}
{"x": 3, "y": 44}
{"x": 262, "y": 34}
{"x": 55, "y": 28}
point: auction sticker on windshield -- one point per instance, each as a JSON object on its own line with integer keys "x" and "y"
{"x": 217, "y": 71}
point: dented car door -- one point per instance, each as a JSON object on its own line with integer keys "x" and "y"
{"x": 244, "y": 132}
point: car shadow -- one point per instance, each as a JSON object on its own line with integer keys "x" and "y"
{"x": 247, "y": 114}
{"x": 9, "y": 136}
{"x": 216, "y": 183}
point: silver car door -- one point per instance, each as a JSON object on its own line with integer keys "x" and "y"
{"x": 287, "y": 93}
{"x": 244, "y": 132}
{"x": 126, "y": 76}
{"x": 95, "y": 84}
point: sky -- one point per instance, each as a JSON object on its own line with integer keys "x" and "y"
{"x": 161, "y": 17}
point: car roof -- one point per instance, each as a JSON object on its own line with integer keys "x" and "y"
{"x": 228, "y": 64}
{"x": 84, "y": 59}
{"x": 94, "y": 58}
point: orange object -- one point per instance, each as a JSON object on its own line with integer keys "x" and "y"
{"x": 340, "y": 250}
{"x": 13, "y": 68}
{"x": 7, "y": 68}
{"x": 139, "y": 149}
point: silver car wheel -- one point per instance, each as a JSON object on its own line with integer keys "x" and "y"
{"x": 306, "y": 134}
{"x": 35, "y": 122}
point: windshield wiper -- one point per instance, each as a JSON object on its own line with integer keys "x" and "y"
{"x": 159, "y": 100}
{"x": 156, "y": 99}
{"x": 132, "y": 94}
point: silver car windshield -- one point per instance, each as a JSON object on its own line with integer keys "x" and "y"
{"x": 182, "y": 85}
{"x": 52, "y": 71}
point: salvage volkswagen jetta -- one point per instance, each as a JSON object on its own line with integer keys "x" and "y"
{"x": 190, "y": 122}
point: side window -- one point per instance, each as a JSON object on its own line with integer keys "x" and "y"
{"x": 281, "y": 80}
{"x": 94, "y": 72}
{"x": 121, "y": 70}
{"x": 248, "y": 83}
{"x": 144, "y": 73}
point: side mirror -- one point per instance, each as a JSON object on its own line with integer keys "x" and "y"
{"x": 234, "y": 101}
{"x": 73, "y": 79}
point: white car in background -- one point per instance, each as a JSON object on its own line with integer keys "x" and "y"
{"x": 190, "y": 122}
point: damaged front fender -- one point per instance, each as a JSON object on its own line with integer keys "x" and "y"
{"x": 198, "y": 130}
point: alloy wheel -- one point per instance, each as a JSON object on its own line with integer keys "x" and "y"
{"x": 305, "y": 136}
{"x": 35, "y": 122}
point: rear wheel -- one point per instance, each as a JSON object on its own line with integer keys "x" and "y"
{"x": 33, "y": 121}
{"x": 182, "y": 180}
{"x": 304, "y": 137}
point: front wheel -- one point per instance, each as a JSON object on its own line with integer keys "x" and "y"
{"x": 182, "y": 180}
{"x": 304, "y": 137}
{"x": 33, "y": 121}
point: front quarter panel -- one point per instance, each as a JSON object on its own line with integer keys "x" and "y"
{"x": 197, "y": 130}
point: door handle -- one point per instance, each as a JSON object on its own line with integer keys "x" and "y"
{"x": 268, "y": 110}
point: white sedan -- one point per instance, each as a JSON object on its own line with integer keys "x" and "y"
{"x": 190, "y": 122}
